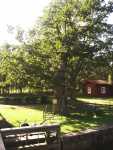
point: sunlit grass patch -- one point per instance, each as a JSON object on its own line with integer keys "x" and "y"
{"x": 18, "y": 114}
{"x": 100, "y": 101}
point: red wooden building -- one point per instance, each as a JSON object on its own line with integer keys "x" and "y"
{"x": 98, "y": 88}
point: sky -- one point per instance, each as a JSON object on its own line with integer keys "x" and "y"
{"x": 23, "y": 13}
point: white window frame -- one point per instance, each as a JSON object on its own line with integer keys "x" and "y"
{"x": 89, "y": 90}
{"x": 103, "y": 90}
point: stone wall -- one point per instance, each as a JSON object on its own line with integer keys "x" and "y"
{"x": 98, "y": 139}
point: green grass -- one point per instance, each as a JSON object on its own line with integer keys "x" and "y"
{"x": 19, "y": 114}
{"x": 86, "y": 113}
{"x": 100, "y": 101}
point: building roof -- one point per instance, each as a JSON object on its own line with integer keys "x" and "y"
{"x": 100, "y": 82}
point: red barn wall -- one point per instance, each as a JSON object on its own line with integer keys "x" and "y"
{"x": 109, "y": 91}
{"x": 96, "y": 90}
{"x": 93, "y": 89}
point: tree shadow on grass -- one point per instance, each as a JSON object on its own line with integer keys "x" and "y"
{"x": 85, "y": 122}
{"x": 40, "y": 107}
{"x": 85, "y": 108}
{"x": 84, "y": 115}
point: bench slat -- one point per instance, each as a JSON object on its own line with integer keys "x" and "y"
{"x": 36, "y": 136}
{"x": 28, "y": 129}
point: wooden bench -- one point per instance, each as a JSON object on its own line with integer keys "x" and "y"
{"x": 42, "y": 137}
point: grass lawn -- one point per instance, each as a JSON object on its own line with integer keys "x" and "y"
{"x": 85, "y": 114}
